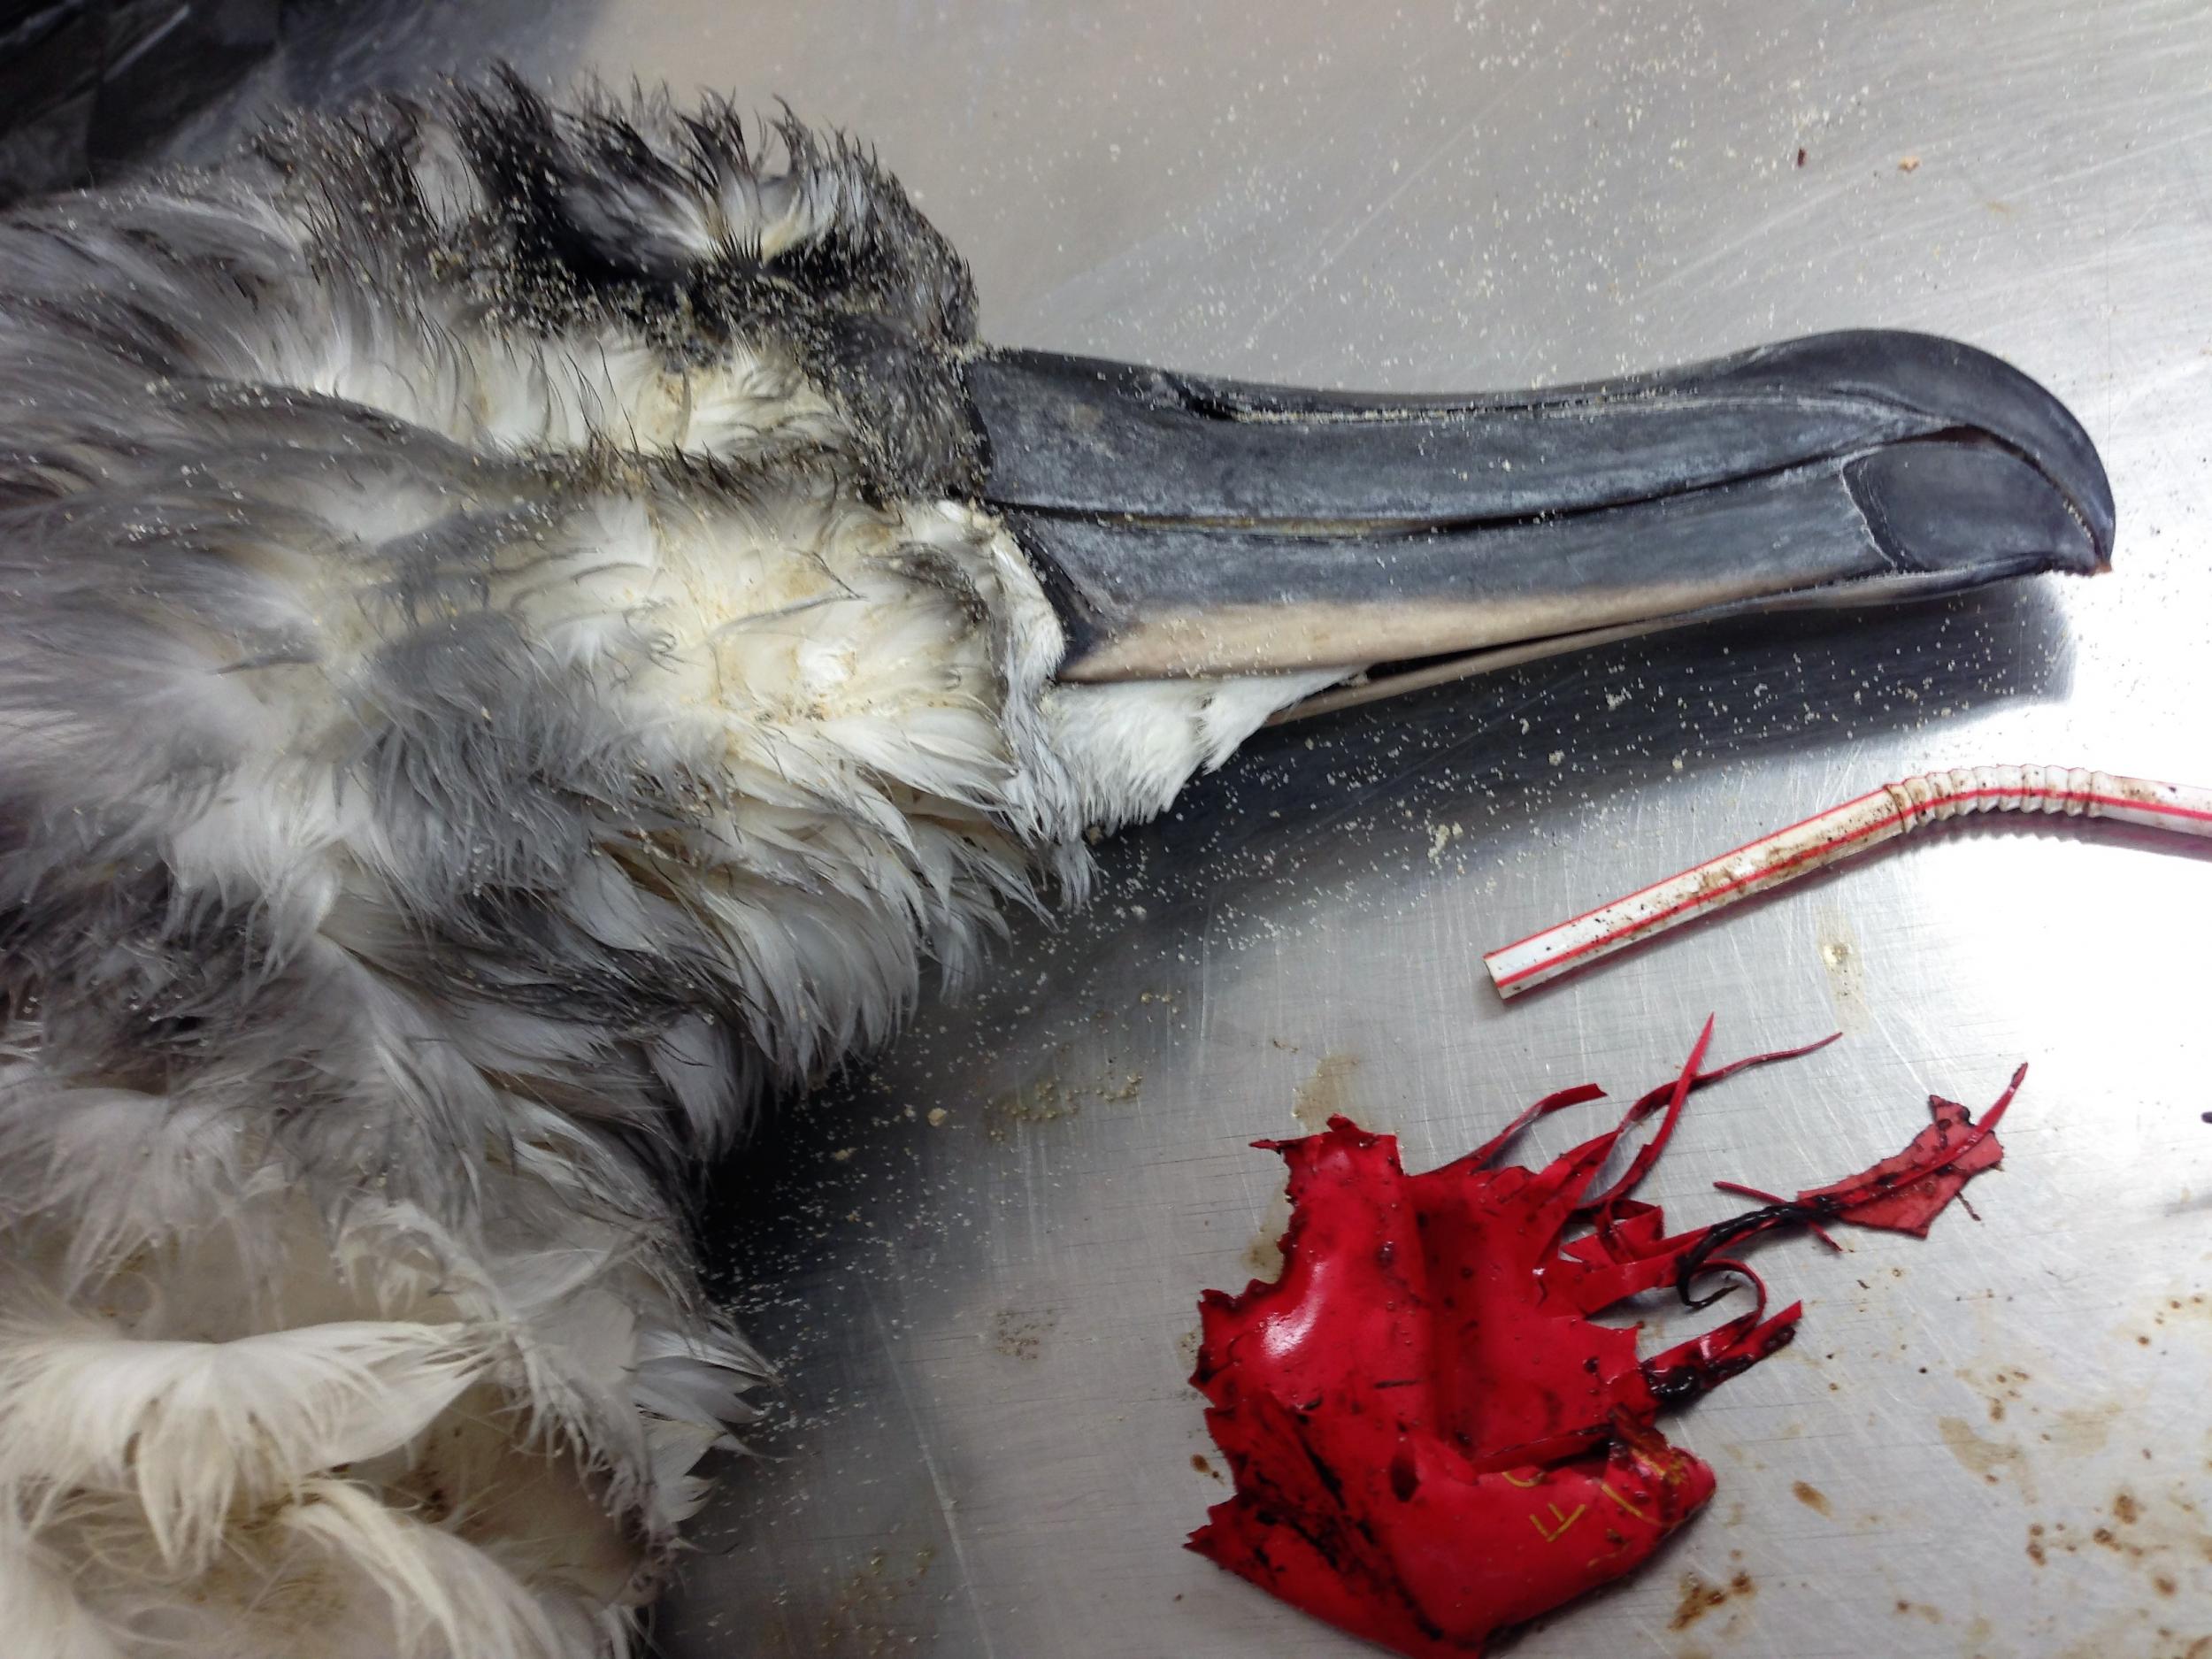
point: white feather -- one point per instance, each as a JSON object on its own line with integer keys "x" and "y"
{"x": 341, "y": 1313}
{"x": 191, "y": 1430}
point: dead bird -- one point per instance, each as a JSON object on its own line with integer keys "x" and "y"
{"x": 526, "y": 628}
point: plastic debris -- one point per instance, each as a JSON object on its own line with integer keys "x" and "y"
{"x": 1432, "y": 1437}
{"x": 1830, "y": 837}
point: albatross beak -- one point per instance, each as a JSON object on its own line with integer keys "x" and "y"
{"x": 1187, "y": 527}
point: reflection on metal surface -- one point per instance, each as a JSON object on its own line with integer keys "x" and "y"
{"x": 1438, "y": 198}
{"x": 985, "y": 1444}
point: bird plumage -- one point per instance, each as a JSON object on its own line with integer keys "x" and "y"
{"x": 500, "y": 668}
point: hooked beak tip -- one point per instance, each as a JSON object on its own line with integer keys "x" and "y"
{"x": 1183, "y": 526}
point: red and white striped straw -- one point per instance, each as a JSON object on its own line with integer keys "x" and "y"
{"x": 1841, "y": 832}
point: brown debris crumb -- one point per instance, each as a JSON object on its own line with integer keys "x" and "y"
{"x": 1699, "y": 1598}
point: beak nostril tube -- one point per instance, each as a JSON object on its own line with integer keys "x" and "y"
{"x": 1193, "y": 528}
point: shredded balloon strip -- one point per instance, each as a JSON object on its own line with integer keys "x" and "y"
{"x": 1828, "y": 838}
{"x": 1432, "y": 1439}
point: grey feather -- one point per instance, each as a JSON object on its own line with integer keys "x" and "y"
{"x": 498, "y": 671}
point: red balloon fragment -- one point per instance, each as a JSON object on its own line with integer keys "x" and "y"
{"x": 1432, "y": 1437}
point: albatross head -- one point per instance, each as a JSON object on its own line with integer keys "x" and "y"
{"x": 524, "y": 628}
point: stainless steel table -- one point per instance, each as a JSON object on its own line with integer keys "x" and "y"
{"x": 1997, "y": 1442}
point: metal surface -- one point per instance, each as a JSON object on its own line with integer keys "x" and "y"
{"x": 1992, "y": 1443}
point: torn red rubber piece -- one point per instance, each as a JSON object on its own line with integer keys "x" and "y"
{"x": 1432, "y": 1437}
{"x": 1902, "y": 1193}
{"x": 1906, "y": 1193}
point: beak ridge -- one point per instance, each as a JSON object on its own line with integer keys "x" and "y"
{"x": 1191, "y": 527}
